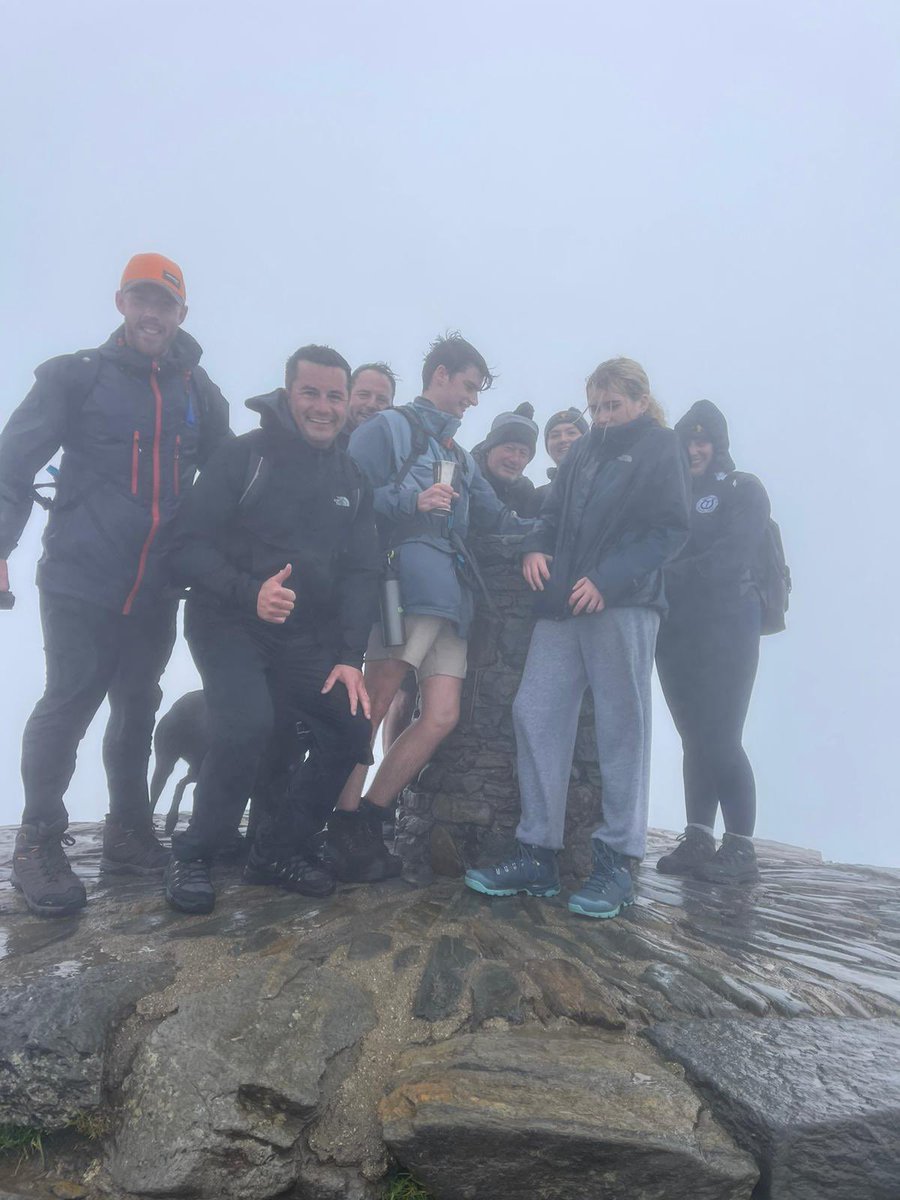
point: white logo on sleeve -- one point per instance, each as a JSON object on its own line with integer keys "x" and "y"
{"x": 707, "y": 504}
{"x": 342, "y": 501}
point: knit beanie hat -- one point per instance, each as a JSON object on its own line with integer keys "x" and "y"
{"x": 516, "y": 426}
{"x": 568, "y": 416}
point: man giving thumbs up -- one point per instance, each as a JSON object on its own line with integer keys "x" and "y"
{"x": 277, "y": 543}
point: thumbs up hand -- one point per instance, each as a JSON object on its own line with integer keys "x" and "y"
{"x": 275, "y": 602}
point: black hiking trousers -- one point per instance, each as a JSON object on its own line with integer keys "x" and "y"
{"x": 93, "y": 653}
{"x": 259, "y": 679}
{"x": 707, "y": 667}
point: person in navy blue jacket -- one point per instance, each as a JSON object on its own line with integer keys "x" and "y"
{"x": 616, "y": 513}
{"x": 708, "y": 651}
{"x": 134, "y": 419}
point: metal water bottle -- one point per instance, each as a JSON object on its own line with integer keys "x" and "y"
{"x": 445, "y": 471}
{"x": 393, "y": 627}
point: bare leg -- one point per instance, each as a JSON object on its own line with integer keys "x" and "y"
{"x": 415, "y": 746}
{"x": 400, "y": 714}
{"x": 383, "y": 678}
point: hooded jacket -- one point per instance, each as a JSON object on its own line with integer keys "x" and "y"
{"x": 270, "y": 498}
{"x": 431, "y": 581}
{"x": 133, "y": 431}
{"x": 719, "y": 564}
{"x": 616, "y": 512}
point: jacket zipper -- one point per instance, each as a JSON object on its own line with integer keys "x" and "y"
{"x": 135, "y": 461}
{"x": 177, "y": 463}
{"x": 154, "y": 503}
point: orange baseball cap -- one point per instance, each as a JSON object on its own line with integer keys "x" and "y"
{"x": 154, "y": 268}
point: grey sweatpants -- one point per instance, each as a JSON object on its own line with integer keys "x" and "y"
{"x": 610, "y": 652}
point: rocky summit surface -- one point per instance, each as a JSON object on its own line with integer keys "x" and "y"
{"x": 711, "y": 1043}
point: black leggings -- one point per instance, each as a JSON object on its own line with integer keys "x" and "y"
{"x": 707, "y": 669}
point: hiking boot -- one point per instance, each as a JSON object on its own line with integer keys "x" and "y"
{"x": 696, "y": 848}
{"x": 355, "y": 850}
{"x": 734, "y": 862}
{"x": 530, "y": 869}
{"x": 188, "y": 886}
{"x": 41, "y": 871}
{"x": 302, "y": 872}
{"x": 131, "y": 851}
{"x": 610, "y": 887}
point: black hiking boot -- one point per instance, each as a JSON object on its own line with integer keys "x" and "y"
{"x": 355, "y": 849}
{"x": 695, "y": 848}
{"x": 188, "y": 887}
{"x": 303, "y": 872}
{"x": 734, "y": 862}
{"x": 132, "y": 851}
{"x": 41, "y": 871}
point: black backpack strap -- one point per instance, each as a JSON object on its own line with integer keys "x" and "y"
{"x": 419, "y": 441}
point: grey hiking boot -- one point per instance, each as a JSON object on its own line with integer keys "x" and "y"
{"x": 734, "y": 862}
{"x": 695, "y": 848}
{"x": 134, "y": 851}
{"x": 188, "y": 887}
{"x": 531, "y": 869}
{"x": 610, "y": 887}
{"x": 41, "y": 871}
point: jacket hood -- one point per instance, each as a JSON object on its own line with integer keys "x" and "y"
{"x": 439, "y": 425}
{"x": 183, "y": 355}
{"x": 274, "y": 411}
{"x": 703, "y": 417}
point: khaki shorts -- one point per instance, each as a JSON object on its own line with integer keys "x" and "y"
{"x": 432, "y": 647}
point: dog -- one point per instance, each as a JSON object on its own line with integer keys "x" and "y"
{"x": 183, "y": 733}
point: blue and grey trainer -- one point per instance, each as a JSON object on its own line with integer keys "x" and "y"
{"x": 610, "y": 887}
{"x": 531, "y": 869}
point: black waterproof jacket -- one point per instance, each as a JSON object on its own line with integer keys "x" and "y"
{"x": 133, "y": 432}
{"x": 520, "y": 496}
{"x": 617, "y": 511}
{"x": 719, "y": 565}
{"x": 543, "y": 491}
{"x": 270, "y": 498}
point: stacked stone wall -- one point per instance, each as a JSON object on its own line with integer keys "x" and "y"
{"x": 464, "y": 807}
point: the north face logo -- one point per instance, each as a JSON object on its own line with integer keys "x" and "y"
{"x": 342, "y": 501}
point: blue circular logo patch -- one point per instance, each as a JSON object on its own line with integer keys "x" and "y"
{"x": 707, "y": 504}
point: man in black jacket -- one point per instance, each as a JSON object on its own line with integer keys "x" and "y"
{"x": 134, "y": 419}
{"x": 503, "y": 456}
{"x": 277, "y": 542}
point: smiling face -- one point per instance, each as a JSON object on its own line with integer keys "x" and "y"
{"x": 455, "y": 393}
{"x": 609, "y": 407}
{"x": 372, "y": 394}
{"x": 700, "y": 453}
{"x": 152, "y": 316}
{"x": 507, "y": 461}
{"x": 318, "y": 402}
{"x": 560, "y": 438}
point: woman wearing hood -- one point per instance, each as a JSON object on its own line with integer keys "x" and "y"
{"x": 708, "y": 649}
{"x": 616, "y": 513}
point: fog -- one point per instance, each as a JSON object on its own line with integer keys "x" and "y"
{"x": 710, "y": 188}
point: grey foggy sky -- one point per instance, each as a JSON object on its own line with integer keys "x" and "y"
{"x": 710, "y": 188}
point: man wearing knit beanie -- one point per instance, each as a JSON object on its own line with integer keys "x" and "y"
{"x": 505, "y": 453}
{"x": 561, "y": 431}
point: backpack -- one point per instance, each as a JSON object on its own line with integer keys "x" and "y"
{"x": 774, "y": 580}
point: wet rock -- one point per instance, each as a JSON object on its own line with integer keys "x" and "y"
{"x": 67, "y": 1189}
{"x": 817, "y": 1101}
{"x": 230, "y": 1082}
{"x": 568, "y": 992}
{"x": 443, "y": 980}
{"x": 496, "y": 993}
{"x": 783, "y": 1002}
{"x": 368, "y": 945}
{"x": 557, "y": 1113}
{"x": 54, "y": 1033}
{"x": 684, "y": 992}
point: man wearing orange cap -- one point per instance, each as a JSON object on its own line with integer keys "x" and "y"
{"x": 134, "y": 419}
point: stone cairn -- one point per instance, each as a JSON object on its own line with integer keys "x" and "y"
{"x": 463, "y": 809}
